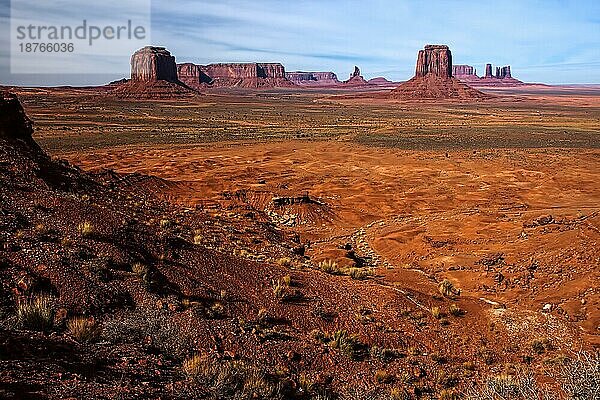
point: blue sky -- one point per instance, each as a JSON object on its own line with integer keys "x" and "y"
{"x": 547, "y": 41}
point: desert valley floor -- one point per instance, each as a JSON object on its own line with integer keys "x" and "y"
{"x": 501, "y": 197}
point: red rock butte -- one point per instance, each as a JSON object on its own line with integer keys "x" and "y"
{"x": 153, "y": 76}
{"x": 433, "y": 78}
{"x": 356, "y": 78}
{"x": 153, "y": 63}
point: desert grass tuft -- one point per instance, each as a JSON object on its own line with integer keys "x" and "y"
{"x": 448, "y": 289}
{"x": 86, "y": 229}
{"x": 84, "y": 330}
{"x": 36, "y": 313}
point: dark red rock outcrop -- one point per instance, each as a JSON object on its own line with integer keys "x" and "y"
{"x": 503, "y": 72}
{"x": 436, "y": 60}
{"x": 488, "y": 71}
{"x": 153, "y": 76}
{"x": 248, "y": 75}
{"x": 463, "y": 70}
{"x": 433, "y": 78}
{"x": 356, "y": 78}
{"x": 14, "y": 123}
{"x": 313, "y": 78}
{"x": 152, "y": 64}
{"x": 192, "y": 75}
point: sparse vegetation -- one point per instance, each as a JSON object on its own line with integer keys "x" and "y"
{"x": 436, "y": 312}
{"x": 142, "y": 271}
{"x": 540, "y": 346}
{"x": 455, "y": 310}
{"x": 330, "y": 267}
{"x": 285, "y": 262}
{"x": 399, "y": 394}
{"x": 447, "y": 394}
{"x": 348, "y": 344}
{"x": 226, "y": 379}
{"x": 447, "y": 289}
{"x": 360, "y": 273}
{"x": 86, "y": 229}
{"x": 84, "y": 329}
{"x": 198, "y": 236}
{"x": 282, "y": 290}
{"x": 36, "y": 313}
{"x": 382, "y": 376}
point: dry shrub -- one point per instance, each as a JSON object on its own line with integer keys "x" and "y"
{"x": 86, "y": 229}
{"x": 448, "y": 289}
{"x": 84, "y": 330}
{"x": 228, "y": 379}
{"x": 36, "y": 313}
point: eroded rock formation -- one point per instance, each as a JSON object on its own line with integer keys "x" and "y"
{"x": 312, "y": 78}
{"x": 463, "y": 70}
{"x": 356, "y": 78}
{"x": 436, "y": 60}
{"x": 153, "y": 64}
{"x": 433, "y": 78}
{"x": 503, "y": 72}
{"x": 14, "y": 124}
{"x": 488, "y": 71}
{"x": 153, "y": 76}
{"x": 192, "y": 75}
{"x": 247, "y": 75}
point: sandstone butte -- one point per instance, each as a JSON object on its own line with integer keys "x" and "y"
{"x": 153, "y": 76}
{"x": 433, "y": 78}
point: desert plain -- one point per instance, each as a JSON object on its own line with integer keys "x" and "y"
{"x": 499, "y": 197}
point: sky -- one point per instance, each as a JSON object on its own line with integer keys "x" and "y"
{"x": 548, "y": 41}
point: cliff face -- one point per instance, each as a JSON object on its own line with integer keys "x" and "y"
{"x": 436, "y": 60}
{"x": 247, "y": 75}
{"x": 312, "y": 78}
{"x": 241, "y": 71}
{"x": 152, "y": 64}
{"x": 192, "y": 75}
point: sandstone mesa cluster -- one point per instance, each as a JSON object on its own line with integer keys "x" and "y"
{"x": 155, "y": 74}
